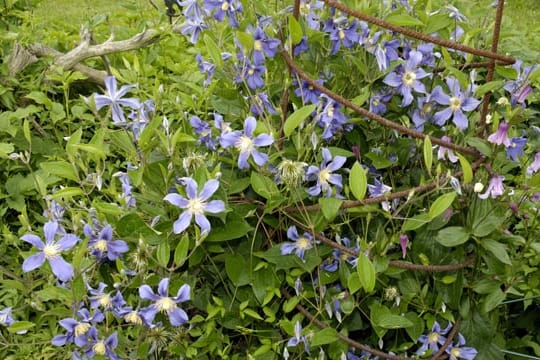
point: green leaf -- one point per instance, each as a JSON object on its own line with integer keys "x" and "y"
{"x": 428, "y": 153}
{"x": 93, "y": 149}
{"x": 493, "y": 300}
{"x": 5, "y": 150}
{"x": 213, "y": 50}
{"x": 442, "y": 203}
{"x": 452, "y": 236}
{"x": 40, "y": 98}
{"x": 484, "y": 217}
{"x": 415, "y": 222}
{"x": 325, "y": 336}
{"x": 506, "y": 72}
{"x": 163, "y": 253}
{"x": 391, "y": 321}
{"x": 466, "y": 168}
{"x": 181, "y": 251}
{"x": 62, "y": 169}
{"x": 437, "y": 22}
{"x": 404, "y": 20}
{"x": 245, "y": 39}
{"x": 417, "y": 328}
{"x": 237, "y": 269}
{"x": 233, "y": 228}
{"x": 290, "y": 304}
{"x": 264, "y": 186}
{"x": 497, "y": 249}
{"x": 67, "y": 193}
{"x": 295, "y": 30}
{"x": 480, "y": 145}
{"x": 296, "y": 118}
{"x": 488, "y": 87}
{"x": 20, "y": 326}
{"x": 330, "y": 207}
{"x": 358, "y": 181}
{"x": 353, "y": 283}
{"x": 79, "y": 288}
{"x": 366, "y": 273}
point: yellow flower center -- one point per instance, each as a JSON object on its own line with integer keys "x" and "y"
{"x": 133, "y": 318}
{"x": 455, "y": 352}
{"x": 324, "y": 176}
{"x": 330, "y": 111}
{"x": 433, "y": 338}
{"x": 101, "y": 245}
{"x": 51, "y": 250}
{"x": 165, "y": 304}
{"x": 99, "y": 348}
{"x": 409, "y": 78}
{"x": 375, "y": 102}
{"x": 303, "y": 243}
{"x": 244, "y": 144}
{"x": 81, "y": 329}
{"x": 225, "y": 6}
{"x": 196, "y": 206}
{"x": 455, "y": 103}
{"x": 426, "y": 109}
{"x": 257, "y": 45}
{"x": 104, "y": 300}
{"x": 341, "y": 35}
{"x": 251, "y": 71}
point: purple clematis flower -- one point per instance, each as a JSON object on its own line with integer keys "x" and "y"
{"x": 50, "y": 250}
{"x": 380, "y": 189}
{"x": 164, "y": 303}
{"x": 433, "y": 339}
{"x": 193, "y": 28}
{"x": 101, "y": 347}
{"x": 99, "y": 298}
{"x": 298, "y": 338}
{"x": 224, "y": 7}
{"x": 331, "y": 119}
{"x": 342, "y": 33}
{"x": 260, "y": 103}
{"x": 192, "y": 10}
{"x": 310, "y": 10}
{"x": 102, "y": 244}
{"x": 301, "y": 47}
{"x": 205, "y": 67}
{"x": 126, "y": 188}
{"x": 6, "y": 318}
{"x": 308, "y": 93}
{"x": 300, "y": 244}
{"x": 516, "y": 148}
{"x": 324, "y": 176}
{"x": 457, "y": 104}
{"x": 195, "y": 205}
{"x": 77, "y": 330}
{"x": 338, "y": 256}
{"x": 535, "y": 165}
{"x": 423, "y": 113}
{"x": 113, "y": 97}
{"x": 495, "y": 188}
{"x": 445, "y": 152}
{"x": 500, "y": 137}
{"x": 263, "y": 45}
{"x": 403, "y": 242}
{"x": 520, "y": 88}
{"x": 247, "y": 144}
{"x": 406, "y": 78}
{"x": 251, "y": 73}
{"x": 204, "y": 130}
{"x": 458, "y": 351}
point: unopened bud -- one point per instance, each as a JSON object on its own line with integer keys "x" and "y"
{"x": 478, "y": 187}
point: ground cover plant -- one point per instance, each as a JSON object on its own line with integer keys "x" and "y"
{"x": 268, "y": 180}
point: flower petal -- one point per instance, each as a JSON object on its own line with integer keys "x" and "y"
{"x": 183, "y": 294}
{"x": 177, "y": 200}
{"x": 33, "y": 262}
{"x": 182, "y": 223}
{"x": 49, "y": 231}
{"x": 177, "y": 316}
{"x": 209, "y": 189}
{"x": 263, "y": 140}
{"x": 34, "y": 240}
{"x": 214, "y": 207}
{"x": 259, "y": 158}
{"x": 110, "y": 84}
{"x": 61, "y": 268}
{"x": 191, "y": 187}
{"x": 249, "y": 126}
{"x": 68, "y": 241}
{"x": 203, "y": 223}
{"x": 163, "y": 287}
{"x": 243, "y": 160}
{"x": 146, "y": 293}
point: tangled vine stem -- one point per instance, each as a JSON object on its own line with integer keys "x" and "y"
{"x": 414, "y": 34}
{"x": 491, "y": 67}
{"x": 448, "y": 341}
{"x": 342, "y": 337}
{"x": 381, "y": 120}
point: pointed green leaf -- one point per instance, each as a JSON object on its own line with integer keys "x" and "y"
{"x": 366, "y": 273}
{"x": 452, "y": 236}
{"x": 358, "y": 181}
{"x": 163, "y": 253}
{"x": 325, "y": 336}
{"x": 428, "y": 154}
{"x": 295, "y": 30}
{"x": 296, "y": 118}
{"x": 442, "y": 203}
{"x": 404, "y": 20}
{"x": 466, "y": 168}
{"x": 330, "y": 207}
{"x": 497, "y": 249}
{"x": 20, "y": 326}
{"x": 415, "y": 222}
{"x": 181, "y": 251}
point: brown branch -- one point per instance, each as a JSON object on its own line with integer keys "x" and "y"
{"x": 448, "y": 341}
{"x": 414, "y": 34}
{"x": 342, "y": 337}
{"x": 381, "y": 120}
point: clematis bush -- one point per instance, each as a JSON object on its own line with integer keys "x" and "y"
{"x": 273, "y": 180}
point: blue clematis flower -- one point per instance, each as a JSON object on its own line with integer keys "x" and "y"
{"x": 495, "y": 188}
{"x": 517, "y": 144}
{"x": 250, "y": 72}
{"x": 195, "y": 205}
{"x": 77, "y": 330}
{"x": 298, "y": 338}
{"x": 193, "y": 28}
{"x": 205, "y": 67}
{"x": 341, "y": 32}
{"x": 300, "y": 244}
{"x": 458, "y": 351}
{"x": 457, "y": 103}
{"x": 102, "y": 244}
{"x": 535, "y": 165}
{"x": 114, "y": 98}
{"x": 50, "y": 251}
{"x": 500, "y": 137}
{"x": 406, "y": 78}
{"x": 324, "y": 176}
{"x": 263, "y": 45}
{"x": 100, "y": 347}
{"x": 6, "y": 318}
{"x": 247, "y": 144}
{"x": 164, "y": 303}
{"x": 433, "y": 339}
{"x": 192, "y": 10}
{"x": 224, "y": 8}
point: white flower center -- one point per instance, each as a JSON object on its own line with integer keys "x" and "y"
{"x": 133, "y": 318}
{"x": 244, "y": 144}
{"x": 455, "y": 352}
{"x": 455, "y": 103}
{"x": 104, "y": 300}
{"x": 433, "y": 338}
{"x": 99, "y": 348}
{"x": 324, "y": 176}
{"x": 81, "y": 329}
{"x": 225, "y": 6}
{"x": 51, "y": 250}
{"x": 408, "y": 78}
{"x": 330, "y": 111}
{"x": 303, "y": 243}
{"x": 251, "y": 71}
{"x": 101, "y": 245}
{"x": 341, "y": 35}
{"x": 257, "y": 45}
{"x": 196, "y": 206}
{"x": 165, "y": 304}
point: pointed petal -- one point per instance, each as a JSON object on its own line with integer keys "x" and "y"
{"x": 183, "y": 294}
{"x": 460, "y": 120}
{"x": 163, "y": 287}
{"x": 177, "y": 316}
{"x": 393, "y": 79}
{"x": 146, "y": 293}
{"x": 68, "y": 241}
{"x": 243, "y": 160}
{"x": 259, "y": 158}
{"x": 292, "y": 233}
{"x": 49, "y": 231}
{"x": 101, "y": 101}
{"x": 106, "y": 233}
{"x": 249, "y": 126}
{"x": 129, "y": 102}
{"x": 209, "y": 189}
{"x": 214, "y": 207}
{"x": 110, "y": 84}
{"x": 469, "y": 104}
{"x": 229, "y": 139}
{"x": 338, "y": 163}
{"x": 442, "y": 116}
{"x": 191, "y": 187}
{"x": 61, "y": 268}
{"x": 33, "y": 262}
{"x": 177, "y": 200}
{"x": 112, "y": 340}
{"x": 263, "y": 140}
{"x": 34, "y": 240}
{"x": 203, "y": 223}
{"x": 123, "y": 91}
{"x": 182, "y": 223}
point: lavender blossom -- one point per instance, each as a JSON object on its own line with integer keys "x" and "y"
{"x": 263, "y": 45}
{"x": 298, "y": 338}
{"x": 6, "y": 318}
{"x": 251, "y": 73}
{"x": 101, "y": 347}
{"x": 495, "y": 188}
{"x": 457, "y": 103}
{"x": 299, "y": 245}
{"x": 114, "y": 98}
{"x": 324, "y": 176}
{"x": 310, "y": 10}
{"x": 203, "y": 129}
{"x": 433, "y": 339}
{"x": 260, "y": 103}
{"x": 331, "y": 119}
{"x": 341, "y": 32}
{"x": 520, "y": 88}
{"x": 500, "y": 137}
{"x": 247, "y": 144}
{"x": 77, "y": 330}
{"x": 205, "y": 67}
{"x": 517, "y": 144}
{"x": 224, "y": 8}
{"x": 126, "y": 188}
{"x": 102, "y": 244}
{"x": 308, "y": 93}
{"x": 535, "y": 165}
{"x": 445, "y": 152}
{"x": 379, "y": 189}
{"x": 193, "y": 28}
{"x": 50, "y": 251}
{"x": 162, "y": 302}
{"x": 458, "y": 351}
{"x": 406, "y": 78}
